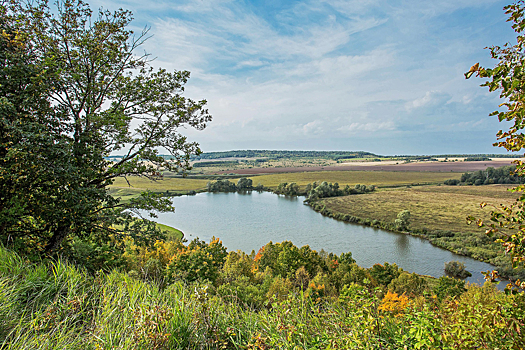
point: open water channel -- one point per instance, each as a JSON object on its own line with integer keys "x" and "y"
{"x": 249, "y": 221}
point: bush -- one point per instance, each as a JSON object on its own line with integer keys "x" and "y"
{"x": 403, "y": 220}
{"x": 409, "y": 284}
{"x": 384, "y": 274}
{"x": 448, "y": 287}
{"x": 451, "y": 182}
{"x": 456, "y": 269}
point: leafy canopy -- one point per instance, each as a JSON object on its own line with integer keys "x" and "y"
{"x": 74, "y": 88}
{"x": 508, "y": 77}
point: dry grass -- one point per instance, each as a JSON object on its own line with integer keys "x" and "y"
{"x": 377, "y": 178}
{"x": 431, "y": 207}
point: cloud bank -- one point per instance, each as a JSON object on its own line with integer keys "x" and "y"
{"x": 380, "y": 76}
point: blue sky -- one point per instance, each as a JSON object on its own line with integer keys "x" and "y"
{"x": 379, "y": 76}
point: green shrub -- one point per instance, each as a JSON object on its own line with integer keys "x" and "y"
{"x": 456, "y": 269}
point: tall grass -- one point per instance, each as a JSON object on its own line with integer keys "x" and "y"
{"x": 55, "y": 305}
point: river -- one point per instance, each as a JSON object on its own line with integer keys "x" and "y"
{"x": 247, "y": 221}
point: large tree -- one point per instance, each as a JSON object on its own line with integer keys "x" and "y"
{"x": 74, "y": 90}
{"x": 508, "y": 77}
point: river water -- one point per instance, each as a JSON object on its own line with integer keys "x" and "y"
{"x": 249, "y": 221}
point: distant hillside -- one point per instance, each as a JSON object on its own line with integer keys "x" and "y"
{"x": 334, "y": 155}
{"x": 286, "y": 154}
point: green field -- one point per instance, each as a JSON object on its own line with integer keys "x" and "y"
{"x": 378, "y": 178}
{"x": 438, "y": 213}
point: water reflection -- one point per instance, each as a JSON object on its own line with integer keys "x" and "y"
{"x": 403, "y": 244}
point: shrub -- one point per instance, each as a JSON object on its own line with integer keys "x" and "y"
{"x": 403, "y": 220}
{"x": 451, "y": 182}
{"x": 456, "y": 269}
{"x": 384, "y": 274}
{"x": 448, "y": 287}
{"x": 409, "y": 284}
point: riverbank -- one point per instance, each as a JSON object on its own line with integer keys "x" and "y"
{"x": 172, "y": 233}
{"x": 437, "y": 214}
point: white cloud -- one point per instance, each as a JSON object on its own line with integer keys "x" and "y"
{"x": 314, "y": 128}
{"x": 368, "y": 127}
{"x": 431, "y": 98}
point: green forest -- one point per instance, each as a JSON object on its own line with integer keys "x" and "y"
{"x": 80, "y": 268}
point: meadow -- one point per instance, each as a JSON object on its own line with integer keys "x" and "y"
{"x": 437, "y": 213}
{"x": 175, "y": 184}
{"x": 431, "y": 207}
{"x": 378, "y": 178}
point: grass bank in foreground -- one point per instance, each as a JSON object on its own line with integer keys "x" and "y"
{"x": 58, "y": 306}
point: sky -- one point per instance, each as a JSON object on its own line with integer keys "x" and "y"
{"x": 378, "y": 76}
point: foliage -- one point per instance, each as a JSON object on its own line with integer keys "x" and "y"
{"x": 393, "y": 303}
{"x": 285, "y": 259}
{"x": 493, "y": 315}
{"x": 508, "y": 77}
{"x": 317, "y": 190}
{"x": 59, "y": 306}
{"x": 74, "y": 90}
{"x": 476, "y": 159}
{"x": 384, "y": 274}
{"x": 456, "y": 269}
{"x": 227, "y": 186}
{"x": 289, "y": 189}
{"x": 489, "y": 176}
{"x": 244, "y": 184}
{"x": 448, "y": 287}
{"x": 403, "y": 220}
{"x": 198, "y": 261}
{"x": 408, "y": 283}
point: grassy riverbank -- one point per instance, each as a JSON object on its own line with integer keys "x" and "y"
{"x": 171, "y": 232}
{"x": 437, "y": 213}
{"x": 431, "y": 207}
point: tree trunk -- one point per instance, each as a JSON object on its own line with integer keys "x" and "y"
{"x": 57, "y": 238}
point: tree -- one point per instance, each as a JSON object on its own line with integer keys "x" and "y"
{"x": 456, "y": 269}
{"x": 75, "y": 90}
{"x": 508, "y": 77}
{"x": 244, "y": 184}
{"x": 403, "y": 220}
